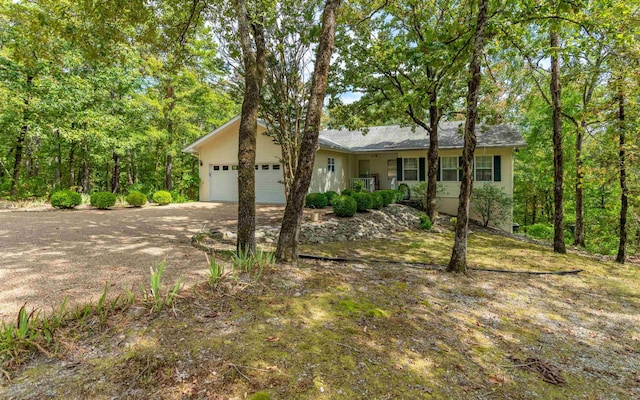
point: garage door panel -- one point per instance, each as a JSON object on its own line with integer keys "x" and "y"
{"x": 223, "y": 183}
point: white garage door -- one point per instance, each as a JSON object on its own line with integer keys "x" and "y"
{"x": 269, "y": 186}
{"x": 223, "y": 183}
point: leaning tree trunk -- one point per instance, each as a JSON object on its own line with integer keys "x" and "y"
{"x": 624, "y": 202}
{"x": 254, "y": 69}
{"x": 458, "y": 262}
{"x": 558, "y": 163}
{"x": 288, "y": 240}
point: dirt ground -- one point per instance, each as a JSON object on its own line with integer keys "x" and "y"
{"x": 46, "y": 256}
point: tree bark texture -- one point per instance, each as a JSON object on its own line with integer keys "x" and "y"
{"x": 624, "y": 202}
{"x": 287, "y": 249}
{"x": 558, "y": 163}
{"x": 115, "y": 178}
{"x": 578, "y": 233}
{"x": 254, "y": 69}
{"x": 458, "y": 262}
{"x": 432, "y": 155}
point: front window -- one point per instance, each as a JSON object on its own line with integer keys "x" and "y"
{"x": 331, "y": 164}
{"x": 484, "y": 168}
{"x": 410, "y": 169}
{"x": 449, "y": 169}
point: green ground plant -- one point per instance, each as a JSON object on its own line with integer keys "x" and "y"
{"x": 364, "y": 202}
{"x": 316, "y": 200}
{"x": 136, "y": 199}
{"x": 344, "y": 206}
{"x": 162, "y": 198}
{"x": 102, "y": 200}
{"x": 66, "y": 199}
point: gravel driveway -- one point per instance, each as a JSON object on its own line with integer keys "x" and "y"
{"x": 47, "y": 255}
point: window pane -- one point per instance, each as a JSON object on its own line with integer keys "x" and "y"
{"x": 265, "y": 167}
{"x": 411, "y": 175}
{"x": 484, "y": 175}
{"x": 450, "y": 175}
{"x": 392, "y": 169}
{"x": 225, "y": 167}
{"x": 484, "y": 162}
{"x": 449, "y": 162}
{"x": 411, "y": 163}
{"x": 275, "y": 166}
{"x": 216, "y": 168}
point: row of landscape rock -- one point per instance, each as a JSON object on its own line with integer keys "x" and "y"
{"x": 372, "y": 224}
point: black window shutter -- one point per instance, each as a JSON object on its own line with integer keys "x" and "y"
{"x": 399, "y": 168}
{"x": 439, "y": 167}
{"x": 496, "y": 169}
{"x": 460, "y": 169}
{"x": 422, "y": 169}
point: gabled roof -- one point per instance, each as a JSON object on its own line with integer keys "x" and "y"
{"x": 193, "y": 147}
{"x": 389, "y": 138}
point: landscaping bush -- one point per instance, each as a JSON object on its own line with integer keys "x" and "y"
{"x": 136, "y": 199}
{"x": 330, "y": 195}
{"x": 363, "y": 201}
{"x": 102, "y": 200}
{"x": 377, "y": 201}
{"x": 177, "y": 197}
{"x": 344, "y": 206}
{"x": 66, "y": 199}
{"x": 348, "y": 192}
{"x": 491, "y": 203}
{"x": 540, "y": 231}
{"x": 162, "y": 197}
{"x": 316, "y": 200}
{"x": 388, "y": 197}
{"x": 358, "y": 186}
{"x": 425, "y": 222}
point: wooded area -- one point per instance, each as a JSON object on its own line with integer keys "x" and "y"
{"x": 103, "y": 95}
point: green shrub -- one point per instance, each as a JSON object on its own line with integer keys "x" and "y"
{"x": 358, "y": 186}
{"x": 330, "y": 195}
{"x": 348, "y": 192}
{"x": 453, "y": 221}
{"x": 177, "y": 197}
{"x": 425, "y": 222}
{"x": 344, "y": 206}
{"x": 316, "y": 200}
{"x": 102, "y": 200}
{"x": 136, "y": 199}
{"x": 388, "y": 197}
{"x": 404, "y": 192}
{"x": 66, "y": 199}
{"x": 540, "y": 231}
{"x": 162, "y": 197}
{"x": 377, "y": 201}
{"x": 491, "y": 203}
{"x": 363, "y": 201}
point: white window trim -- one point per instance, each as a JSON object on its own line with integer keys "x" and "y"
{"x": 405, "y": 169}
{"x": 331, "y": 164}
{"x": 457, "y": 168}
{"x": 475, "y": 163}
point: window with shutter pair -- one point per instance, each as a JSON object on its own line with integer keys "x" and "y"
{"x": 486, "y": 169}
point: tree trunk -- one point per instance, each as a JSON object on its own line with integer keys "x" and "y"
{"x": 57, "y": 173}
{"x": 19, "y": 148}
{"x": 115, "y": 178}
{"x": 254, "y": 69}
{"x": 287, "y": 249}
{"x": 624, "y": 203}
{"x": 168, "y": 172}
{"x": 84, "y": 182}
{"x": 558, "y": 163}
{"x": 72, "y": 164}
{"x": 458, "y": 262}
{"x": 130, "y": 172}
{"x": 432, "y": 155}
{"x": 578, "y": 234}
